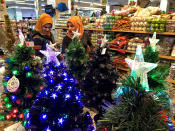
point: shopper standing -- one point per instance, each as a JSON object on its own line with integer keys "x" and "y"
{"x": 74, "y": 24}
{"x": 42, "y": 34}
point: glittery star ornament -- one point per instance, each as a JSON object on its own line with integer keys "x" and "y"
{"x": 153, "y": 41}
{"x": 139, "y": 68}
{"x": 76, "y": 34}
{"x": 51, "y": 56}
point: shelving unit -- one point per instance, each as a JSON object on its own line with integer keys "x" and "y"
{"x": 126, "y": 31}
{"x": 128, "y": 51}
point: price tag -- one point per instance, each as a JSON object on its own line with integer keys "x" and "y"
{"x": 103, "y": 51}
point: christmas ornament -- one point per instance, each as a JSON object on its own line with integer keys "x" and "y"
{"x": 153, "y": 41}
{"x": 51, "y": 55}
{"x": 139, "y": 68}
{"x": 76, "y": 34}
{"x": 104, "y": 40}
{"x": 21, "y": 37}
{"x": 13, "y": 84}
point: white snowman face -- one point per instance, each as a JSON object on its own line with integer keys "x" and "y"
{"x": 13, "y": 84}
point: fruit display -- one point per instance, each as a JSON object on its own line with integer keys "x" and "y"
{"x": 110, "y": 21}
{"x": 132, "y": 44}
{"x": 122, "y": 24}
{"x": 170, "y": 26}
{"x": 155, "y": 24}
{"x": 138, "y": 23}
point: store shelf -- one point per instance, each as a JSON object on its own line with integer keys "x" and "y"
{"x": 160, "y": 56}
{"x": 57, "y": 27}
{"x": 167, "y": 57}
{"x": 171, "y": 81}
{"x": 125, "y": 31}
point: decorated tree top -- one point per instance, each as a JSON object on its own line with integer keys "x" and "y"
{"x": 21, "y": 82}
{"x": 138, "y": 104}
{"x": 100, "y": 80}
{"x": 58, "y": 106}
{"x": 77, "y": 59}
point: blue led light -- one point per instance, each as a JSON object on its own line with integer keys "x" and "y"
{"x": 51, "y": 81}
{"x": 13, "y": 97}
{"x": 54, "y": 95}
{"x": 26, "y": 68}
{"x": 65, "y": 79}
{"x": 46, "y": 92}
{"x": 70, "y": 87}
{"x": 59, "y": 87}
{"x": 67, "y": 96}
{"x": 71, "y": 80}
{"x": 65, "y": 74}
{"x": 48, "y": 129}
{"x": 7, "y": 78}
{"x": 51, "y": 72}
{"x": 76, "y": 97}
{"x": 43, "y": 116}
{"x": 44, "y": 75}
{"x": 28, "y": 115}
{"x": 60, "y": 121}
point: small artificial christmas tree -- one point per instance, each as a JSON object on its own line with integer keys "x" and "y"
{"x": 77, "y": 59}
{"x": 10, "y": 38}
{"x": 99, "y": 81}
{"x": 58, "y": 106}
{"x": 21, "y": 82}
{"x": 139, "y": 106}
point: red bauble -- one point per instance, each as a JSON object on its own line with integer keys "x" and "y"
{"x": 14, "y": 115}
{"x": 41, "y": 87}
{"x": 4, "y": 95}
{"x": 8, "y": 116}
{"x": 29, "y": 95}
{"x": 32, "y": 56}
{"x": 15, "y": 110}
{"x": 18, "y": 102}
{"x": 21, "y": 116}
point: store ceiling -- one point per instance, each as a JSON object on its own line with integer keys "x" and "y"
{"x": 23, "y": 4}
{"x": 111, "y": 2}
{"x": 29, "y": 4}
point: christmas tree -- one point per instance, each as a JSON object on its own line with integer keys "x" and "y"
{"x": 139, "y": 105}
{"x": 58, "y": 106}
{"x": 9, "y": 34}
{"x": 99, "y": 81}
{"x": 21, "y": 83}
{"x": 77, "y": 59}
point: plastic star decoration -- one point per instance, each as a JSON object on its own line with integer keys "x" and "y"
{"x": 51, "y": 56}
{"x": 139, "y": 68}
{"x": 76, "y": 34}
{"x": 153, "y": 41}
{"x": 103, "y": 41}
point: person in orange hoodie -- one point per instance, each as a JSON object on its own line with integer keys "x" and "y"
{"x": 42, "y": 34}
{"x": 74, "y": 23}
